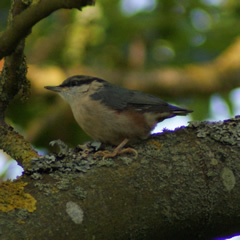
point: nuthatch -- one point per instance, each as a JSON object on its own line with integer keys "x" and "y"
{"x": 113, "y": 114}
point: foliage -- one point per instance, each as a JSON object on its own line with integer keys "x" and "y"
{"x": 174, "y": 32}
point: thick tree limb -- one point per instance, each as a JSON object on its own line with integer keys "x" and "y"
{"x": 12, "y": 80}
{"x": 16, "y": 146}
{"x": 13, "y": 76}
{"x": 218, "y": 76}
{"x": 21, "y": 25}
{"x": 184, "y": 185}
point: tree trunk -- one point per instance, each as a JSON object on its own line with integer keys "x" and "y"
{"x": 183, "y": 185}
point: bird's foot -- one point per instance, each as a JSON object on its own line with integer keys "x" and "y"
{"x": 108, "y": 154}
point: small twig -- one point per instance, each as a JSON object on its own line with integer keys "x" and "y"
{"x": 21, "y": 25}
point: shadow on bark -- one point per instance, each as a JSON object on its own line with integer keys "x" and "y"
{"x": 183, "y": 185}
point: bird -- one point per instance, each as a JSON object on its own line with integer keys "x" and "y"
{"x": 112, "y": 114}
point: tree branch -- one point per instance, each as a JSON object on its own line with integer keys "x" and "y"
{"x": 12, "y": 80}
{"x": 16, "y": 146}
{"x": 21, "y": 25}
{"x": 219, "y": 75}
{"x": 13, "y": 76}
{"x": 184, "y": 185}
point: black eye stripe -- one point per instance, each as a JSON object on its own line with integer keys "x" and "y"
{"x": 79, "y": 80}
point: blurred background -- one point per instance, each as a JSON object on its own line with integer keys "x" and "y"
{"x": 186, "y": 52}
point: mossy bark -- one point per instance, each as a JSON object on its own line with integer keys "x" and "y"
{"x": 183, "y": 185}
{"x": 22, "y": 17}
{"x": 16, "y": 146}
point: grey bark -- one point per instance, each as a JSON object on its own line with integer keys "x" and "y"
{"x": 21, "y": 25}
{"x": 183, "y": 185}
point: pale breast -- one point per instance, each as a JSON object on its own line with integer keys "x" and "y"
{"x": 108, "y": 125}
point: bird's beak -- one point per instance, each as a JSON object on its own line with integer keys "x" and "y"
{"x": 54, "y": 88}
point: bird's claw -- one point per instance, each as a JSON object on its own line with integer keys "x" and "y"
{"x": 108, "y": 154}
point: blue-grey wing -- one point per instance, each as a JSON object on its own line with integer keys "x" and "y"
{"x": 113, "y": 96}
{"x": 147, "y": 103}
{"x": 119, "y": 98}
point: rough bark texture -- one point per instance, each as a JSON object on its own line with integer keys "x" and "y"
{"x": 183, "y": 185}
{"x": 16, "y": 146}
{"x": 22, "y": 17}
{"x": 12, "y": 82}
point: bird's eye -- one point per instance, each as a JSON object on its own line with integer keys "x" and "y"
{"x": 84, "y": 88}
